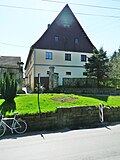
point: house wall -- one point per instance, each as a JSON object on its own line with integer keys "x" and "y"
{"x": 29, "y": 74}
{"x": 75, "y": 66}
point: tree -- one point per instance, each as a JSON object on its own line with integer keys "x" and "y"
{"x": 8, "y": 88}
{"x": 115, "y": 65}
{"x": 97, "y": 66}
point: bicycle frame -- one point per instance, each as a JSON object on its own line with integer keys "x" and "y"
{"x": 13, "y": 122}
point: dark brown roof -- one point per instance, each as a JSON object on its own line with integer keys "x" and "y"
{"x": 9, "y": 61}
{"x": 66, "y": 28}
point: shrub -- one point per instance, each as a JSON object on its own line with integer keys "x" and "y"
{"x": 8, "y": 88}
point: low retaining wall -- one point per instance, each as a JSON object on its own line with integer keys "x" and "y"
{"x": 73, "y": 118}
{"x": 107, "y": 91}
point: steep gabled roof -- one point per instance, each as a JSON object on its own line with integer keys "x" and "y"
{"x": 66, "y": 29}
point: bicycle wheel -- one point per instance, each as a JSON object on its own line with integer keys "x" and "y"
{"x": 20, "y": 126}
{"x": 2, "y": 129}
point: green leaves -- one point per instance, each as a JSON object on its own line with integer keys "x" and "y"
{"x": 8, "y": 87}
{"x": 97, "y": 67}
{"x": 115, "y": 65}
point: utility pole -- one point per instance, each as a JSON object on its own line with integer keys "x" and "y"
{"x": 39, "y": 92}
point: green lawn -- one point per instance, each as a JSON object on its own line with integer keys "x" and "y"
{"x": 27, "y": 104}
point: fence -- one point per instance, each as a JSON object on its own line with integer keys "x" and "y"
{"x": 90, "y": 82}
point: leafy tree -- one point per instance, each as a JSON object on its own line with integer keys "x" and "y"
{"x": 97, "y": 66}
{"x": 115, "y": 65}
{"x": 8, "y": 88}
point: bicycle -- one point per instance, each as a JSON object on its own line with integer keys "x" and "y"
{"x": 17, "y": 125}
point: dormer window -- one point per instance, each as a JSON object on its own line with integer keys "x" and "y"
{"x": 76, "y": 41}
{"x": 66, "y": 25}
{"x": 56, "y": 38}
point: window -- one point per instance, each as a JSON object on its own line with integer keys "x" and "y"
{"x": 49, "y": 55}
{"x": 76, "y": 41}
{"x": 48, "y": 72}
{"x": 67, "y": 57}
{"x": 66, "y": 25}
{"x": 56, "y": 38}
{"x": 83, "y": 58}
{"x": 84, "y": 73}
{"x": 68, "y": 73}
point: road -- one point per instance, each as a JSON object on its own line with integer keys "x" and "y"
{"x": 84, "y": 144}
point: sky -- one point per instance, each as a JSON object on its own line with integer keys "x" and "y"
{"x": 22, "y": 23}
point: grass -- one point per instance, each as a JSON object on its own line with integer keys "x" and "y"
{"x": 28, "y": 104}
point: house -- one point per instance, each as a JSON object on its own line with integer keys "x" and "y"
{"x": 61, "y": 51}
{"x": 14, "y": 66}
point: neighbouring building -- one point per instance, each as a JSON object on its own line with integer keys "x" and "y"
{"x": 61, "y": 52}
{"x": 14, "y": 66}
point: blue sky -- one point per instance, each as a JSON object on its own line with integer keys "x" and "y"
{"x": 21, "y": 24}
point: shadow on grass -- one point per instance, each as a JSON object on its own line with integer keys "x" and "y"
{"x": 7, "y": 107}
{"x": 99, "y": 97}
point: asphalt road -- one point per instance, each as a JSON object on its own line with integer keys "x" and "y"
{"x": 84, "y": 144}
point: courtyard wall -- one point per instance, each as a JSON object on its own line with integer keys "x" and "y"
{"x": 72, "y": 118}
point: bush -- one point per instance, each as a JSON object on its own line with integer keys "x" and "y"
{"x": 8, "y": 88}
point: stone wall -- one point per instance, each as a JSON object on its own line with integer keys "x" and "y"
{"x": 73, "y": 118}
{"x": 106, "y": 91}
{"x": 80, "y": 82}
{"x": 90, "y": 82}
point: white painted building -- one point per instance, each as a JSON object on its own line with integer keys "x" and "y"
{"x": 64, "y": 45}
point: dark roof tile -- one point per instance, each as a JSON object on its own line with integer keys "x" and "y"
{"x": 67, "y": 28}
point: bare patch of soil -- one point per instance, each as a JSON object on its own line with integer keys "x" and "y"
{"x": 65, "y": 99}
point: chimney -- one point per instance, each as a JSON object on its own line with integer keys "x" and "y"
{"x": 48, "y": 25}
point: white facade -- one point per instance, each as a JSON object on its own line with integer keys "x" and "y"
{"x": 70, "y": 68}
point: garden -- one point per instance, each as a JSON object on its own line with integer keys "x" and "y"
{"x": 28, "y": 104}
{"x": 48, "y": 102}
